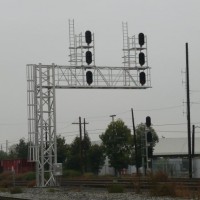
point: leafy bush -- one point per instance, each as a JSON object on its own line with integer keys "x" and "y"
{"x": 164, "y": 189}
{"x": 30, "y": 176}
{"x": 159, "y": 176}
{"x": 71, "y": 173}
{"x": 6, "y": 183}
{"x": 115, "y": 188}
{"x": 16, "y": 190}
{"x": 51, "y": 190}
{"x": 159, "y": 185}
{"x": 89, "y": 175}
{"x": 3, "y": 190}
{"x": 31, "y": 184}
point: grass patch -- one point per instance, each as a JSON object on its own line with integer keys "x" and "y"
{"x": 28, "y": 176}
{"x": 71, "y": 173}
{"x": 115, "y": 188}
{"x": 52, "y": 190}
{"x": 159, "y": 185}
{"x": 6, "y": 183}
{"x": 16, "y": 190}
{"x": 3, "y": 190}
{"x": 163, "y": 189}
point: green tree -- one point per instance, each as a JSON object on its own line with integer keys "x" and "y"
{"x": 22, "y": 149}
{"x": 74, "y": 160}
{"x": 73, "y": 155}
{"x": 3, "y": 155}
{"x": 117, "y": 143}
{"x": 140, "y": 140}
{"x": 96, "y": 158}
{"x": 61, "y": 149}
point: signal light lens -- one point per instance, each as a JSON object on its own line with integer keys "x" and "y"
{"x": 88, "y": 37}
{"x": 89, "y": 77}
{"x": 150, "y": 152}
{"x": 141, "y": 58}
{"x": 88, "y": 56}
{"x": 142, "y": 78}
{"x": 141, "y": 39}
{"x": 149, "y": 137}
{"x": 148, "y": 121}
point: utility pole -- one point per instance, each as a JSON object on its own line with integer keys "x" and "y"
{"x": 7, "y": 146}
{"x": 193, "y": 139}
{"x": 135, "y": 141}
{"x": 80, "y": 145}
{"x": 81, "y": 141}
{"x": 84, "y": 128}
{"x": 84, "y": 149}
{"x": 188, "y": 111}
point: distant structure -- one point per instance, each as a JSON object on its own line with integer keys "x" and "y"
{"x": 82, "y": 73}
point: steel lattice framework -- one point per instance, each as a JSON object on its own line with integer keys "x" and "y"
{"x": 43, "y": 80}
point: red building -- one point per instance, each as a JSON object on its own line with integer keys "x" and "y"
{"x": 18, "y": 165}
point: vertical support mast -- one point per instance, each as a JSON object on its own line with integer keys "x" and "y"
{"x": 42, "y": 122}
{"x": 188, "y": 111}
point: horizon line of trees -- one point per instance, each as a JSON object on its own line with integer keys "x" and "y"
{"x": 117, "y": 143}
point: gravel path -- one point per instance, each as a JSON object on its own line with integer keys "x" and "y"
{"x": 76, "y": 194}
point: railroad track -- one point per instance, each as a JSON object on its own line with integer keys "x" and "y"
{"x": 144, "y": 183}
{"x": 11, "y": 198}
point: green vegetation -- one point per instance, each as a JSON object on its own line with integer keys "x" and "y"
{"x": 115, "y": 188}
{"x": 71, "y": 173}
{"x": 118, "y": 145}
{"x": 16, "y": 190}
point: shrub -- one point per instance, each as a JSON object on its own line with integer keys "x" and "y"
{"x": 89, "y": 175}
{"x": 6, "y": 183}
{"x": 163, "y": 189}
{"x": 159, "y": 176}
{"x": 115, "y": 188}
{"x": 31, "y": 184}
{"x": 16, "y": 190}
{"x": 71, "y": 173}
{"x": 3, "y": 190}
{"x": 51, "y": 190}
{"x": 30, "y": 176}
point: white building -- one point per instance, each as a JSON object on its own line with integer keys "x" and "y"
{"x": 171, "y": 155}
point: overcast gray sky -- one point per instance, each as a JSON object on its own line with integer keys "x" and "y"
{"x": 36, "y": 31}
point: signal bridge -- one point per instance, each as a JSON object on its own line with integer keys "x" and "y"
{"x": 43, "y": 80}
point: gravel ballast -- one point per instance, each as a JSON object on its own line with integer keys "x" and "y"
{"x": 77, "y": 194}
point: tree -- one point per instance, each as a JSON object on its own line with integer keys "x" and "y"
{"x": 74, "y": 160}
{"x": 3, "y": 155}
{"x": 12, "y": 152}
{"x": 117, "y": 143}
{"x": 140, "y": 138}
{"x": 96, "y": 158}
{"x": 22, "y": 149}
{"x": 61, "y": 149}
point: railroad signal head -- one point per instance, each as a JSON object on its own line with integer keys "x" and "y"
{"x": 150, "y": 152}
{"x": 88, "y": 57}
{"x": 142, "y": 78}
{"x": 149, "y": 137}
{"x": 141, "y": 39}
{"x": 89, "y": 77}
{"x": 88, "y": 37}
{"x": 141, "y": 58}
{"x": 148, "y": 121}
